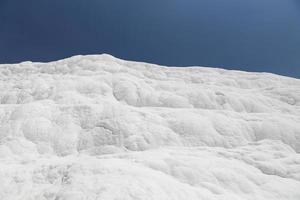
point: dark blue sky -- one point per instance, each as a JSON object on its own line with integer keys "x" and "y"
{"x": 251, "y": 35}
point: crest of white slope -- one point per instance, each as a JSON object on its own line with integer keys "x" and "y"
{"x": 97, "y": 127}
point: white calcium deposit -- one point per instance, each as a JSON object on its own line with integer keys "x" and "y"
{"x": 100, "y": 128}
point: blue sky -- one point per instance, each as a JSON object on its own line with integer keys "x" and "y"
{"x": 251, "y": 35}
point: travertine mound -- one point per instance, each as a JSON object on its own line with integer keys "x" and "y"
{"x": 97, "y": 127}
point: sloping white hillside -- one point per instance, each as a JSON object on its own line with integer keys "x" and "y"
{"x": 100, "y": 128}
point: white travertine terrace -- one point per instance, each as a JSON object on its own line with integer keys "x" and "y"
{"x": 100, "y": 128}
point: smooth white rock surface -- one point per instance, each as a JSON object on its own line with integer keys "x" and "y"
{"x": 100, "y": 128}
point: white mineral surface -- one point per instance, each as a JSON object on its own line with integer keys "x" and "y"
{"x": 100, "y": 128}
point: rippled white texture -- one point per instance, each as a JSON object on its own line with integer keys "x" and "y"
{"x": 97, "y": 127}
